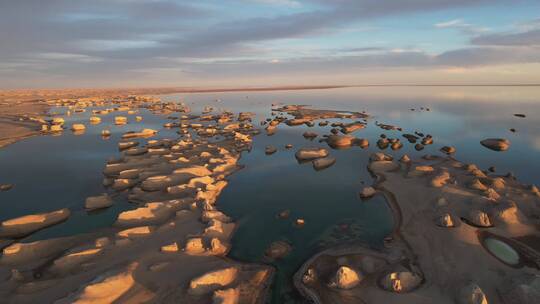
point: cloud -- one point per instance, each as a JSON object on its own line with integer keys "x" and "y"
{"x": 528, "y": 38}
{"x": 207, "y": 38}
{"x": 460, "y": 24}
{"x": 289, "y": 3}
{"x": 113, "y": 45}
{"x": 67, "y": 57}
{"x": 451, "y": 23}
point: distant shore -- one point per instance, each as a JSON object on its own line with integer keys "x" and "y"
{"x": 29, "y": 94}
{"x": 21, "y": 109}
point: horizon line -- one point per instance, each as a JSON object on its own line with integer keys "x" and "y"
{"x": 165, "y": 90}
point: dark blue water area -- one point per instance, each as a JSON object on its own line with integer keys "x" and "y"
{"x": 55, "y": 172}
{"x": 328, "y": 200}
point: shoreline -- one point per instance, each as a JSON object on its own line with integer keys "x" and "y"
{"x": 20, "y": 120}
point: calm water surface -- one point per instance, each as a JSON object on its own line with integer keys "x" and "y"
{"x": 55, "y": 172}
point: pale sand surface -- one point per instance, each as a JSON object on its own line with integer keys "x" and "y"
{"x": 448, "y": 259}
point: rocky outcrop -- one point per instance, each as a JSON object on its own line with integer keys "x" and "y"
{"x": 105, "y": 289}
{"x": 476, "y": 184}
{"x": 445, "y": 220}
{"x": 379, "y": 156}
{"x": 323, "y": 163}
{"x": 440, "y": 180}
{"x": 136, "y": 232}
{"x": 479, "y": 218}
{"x": 25, "y": 225}
{"x": 401, "y": 282}
{"x": 346, "y": 278}
{"x": 74, "y": 259}
{"x": 278, "y": 250}
{"x": 420, "y": 171}
{"x": 194, "y": 246}
{"x": 78, "y": 127}
{"x": 306, "y": 154}
{"x": 98, "y": 202}
{"x": 471, "y": 294}
{"x": 496, "y": 144}
{"x": 226, "y": 296}
{"x": 144, "y": 133}
{"x": 21, "y": 253}
{"x": 448, "y": 150}
{"x": 270, "y": 150}
{"x": 367, "y": 192}
{"x": 213, "y": 281}
{"x": 310, "y": 135}
{"x": 6, "y": 187}
{"x": 169, "y": 248}
{"x": 151, "y": 213}
{"x": 340, "y": 141}
{"x": 120, "y": 120}
{"x": 349, "y": 128}
{"x": 123, "y": 145}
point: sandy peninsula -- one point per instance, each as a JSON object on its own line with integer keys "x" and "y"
{"x": 457, "y": 239}
{"x": 171, "y": 248}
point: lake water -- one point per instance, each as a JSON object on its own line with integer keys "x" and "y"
{"x": 52, "y": 172}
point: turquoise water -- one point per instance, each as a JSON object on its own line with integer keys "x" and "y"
{"x": 55, "y": 172}
{"x": 502, "y": 250}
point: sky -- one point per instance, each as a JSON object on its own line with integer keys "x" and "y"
{"x": 247, "y": 43}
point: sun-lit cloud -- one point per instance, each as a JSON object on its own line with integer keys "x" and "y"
{"x": 208, "y": 41}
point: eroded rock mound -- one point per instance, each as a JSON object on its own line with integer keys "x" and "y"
{"x": 226, "y": 296}
{"x": 150, "y": 213}
{"x": 479, "y": 218}
{"x": 106, "y": 289}
{"x": 496, "y": 144}
{"x": 306, "y": 154}
{"x": 401, "y": 282}
{"x": 323, "y": 163}
{"x": 346, "y": 278}
{"x": 98, "y": 202}
{"x": 472, "y": 294}
{"x": 278, "y": 250}
{"x": 445, "y": 220}
{"x": 24, "y": 225}
{"x": 212, "y": 281}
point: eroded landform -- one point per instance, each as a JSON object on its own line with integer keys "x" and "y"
{"x": 171, "y": 249}
{"x": 461, "y": 234}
